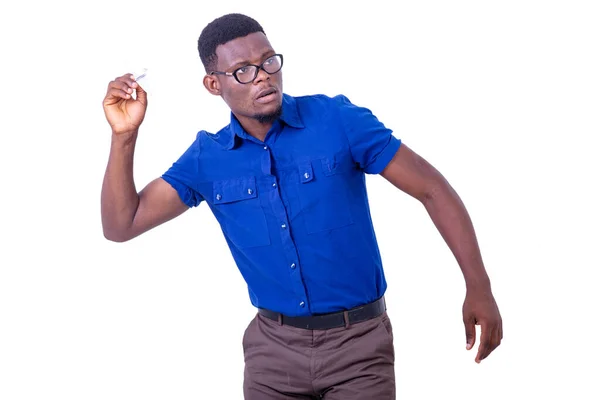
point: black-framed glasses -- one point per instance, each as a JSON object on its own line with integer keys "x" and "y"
{"x": 248, "y": 73}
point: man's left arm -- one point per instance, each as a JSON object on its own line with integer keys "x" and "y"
{"x": 415, "y": 176}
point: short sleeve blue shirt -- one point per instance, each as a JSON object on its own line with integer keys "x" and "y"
{"x": 294, "y": 208}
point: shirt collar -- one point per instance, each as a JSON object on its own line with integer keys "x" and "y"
{"x": 289, "y": 113}
{"x": 289, "y": 116}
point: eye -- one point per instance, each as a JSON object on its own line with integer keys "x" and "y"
{"x": 269, "y": 61}
{"x": 243, "y": 70}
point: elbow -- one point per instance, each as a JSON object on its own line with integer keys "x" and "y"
{"x": 436, "y": 190}
{"x": 429, "y": 195}
{"x": 115, "y": 236}
{"x": 116, "y": 230}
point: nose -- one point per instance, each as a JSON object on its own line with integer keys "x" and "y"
{"x": 261, "y": 75}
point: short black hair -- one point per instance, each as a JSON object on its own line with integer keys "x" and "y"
{"x": 221, "y": 31}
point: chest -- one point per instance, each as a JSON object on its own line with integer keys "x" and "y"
{"x": 305, "y": 172}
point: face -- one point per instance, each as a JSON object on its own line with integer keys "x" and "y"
{"x": 257, "y": 100}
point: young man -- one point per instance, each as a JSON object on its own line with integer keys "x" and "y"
{"x": 286, "y": 181}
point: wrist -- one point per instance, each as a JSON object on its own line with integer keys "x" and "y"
{"x": 126, "y": 138}
{"x": 478, "y": 285}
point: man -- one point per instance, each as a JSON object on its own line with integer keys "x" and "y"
{"x": 286, "y": 181}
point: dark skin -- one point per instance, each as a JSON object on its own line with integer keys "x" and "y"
{"x": 127, "y": 213}
{"x": 242, "y": 98}
{"x": 415, "y": 176}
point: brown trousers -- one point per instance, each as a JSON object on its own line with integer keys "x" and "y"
{"x": 353, "y": 362}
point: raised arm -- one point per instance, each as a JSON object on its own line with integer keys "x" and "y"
{"x": 415, "y": 176}
{"x": 125, "y": 212}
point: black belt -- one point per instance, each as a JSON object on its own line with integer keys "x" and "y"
{"x": 331, "y": 320}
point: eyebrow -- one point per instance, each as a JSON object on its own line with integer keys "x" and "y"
{"x": 263, "y": 57}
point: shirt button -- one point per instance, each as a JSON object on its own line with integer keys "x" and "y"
{"x": 274, "y": 185}
{"x": 265, "y": 147}
{"x": 218, "y": 197}
{"x": 293, "y": 266}
{"x": 302, "y": 304}
{"x": 249, "y": 191}
{"x": 283, "y": 226}
{"x": 306, "y": 175}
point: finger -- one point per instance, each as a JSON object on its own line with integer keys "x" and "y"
{"x": 128, "y": 79}
{"x": 115, "y": 95}
{"x": 495, "y": 339}
{"x": 500, "y": 334}
{"x": 494, "y": 343}
{"x": 141, "y": 95}
{"x": 485, "y": 343}
{"x": 470, "y": 333}
{"x": 123, "y": 85}
{"x": 117, "y": 90}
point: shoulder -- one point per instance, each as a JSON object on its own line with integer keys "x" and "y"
{"x": 320, "y": 104}
{"x": 320, "y": 99}
{"x": 207, "y": 140}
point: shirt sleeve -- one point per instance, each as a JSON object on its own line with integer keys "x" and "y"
{"x": 183, "y": 175}
{"x": 371, "y": 143}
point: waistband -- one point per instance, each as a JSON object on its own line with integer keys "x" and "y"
{"x": 330, "y": 320}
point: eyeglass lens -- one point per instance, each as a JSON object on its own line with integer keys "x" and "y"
{"x": 248, "y": 73}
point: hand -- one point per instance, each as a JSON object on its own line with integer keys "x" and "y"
{"x": 480, "y": 308}
{"x": 122, "y": 111}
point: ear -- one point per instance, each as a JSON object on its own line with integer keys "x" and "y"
{"x": 211, "y": 83}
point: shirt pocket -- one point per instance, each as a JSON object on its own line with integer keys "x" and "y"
{"x": 237, "y": 207}
{"x": 323, "y": 192}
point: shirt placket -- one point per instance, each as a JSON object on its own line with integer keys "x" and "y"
{"x": 289, "y": 247}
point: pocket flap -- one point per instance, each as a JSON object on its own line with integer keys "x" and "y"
{"x": 329, "y": 165}
{"x": 337, "y": 163}
{"x": 230, "y": 190}
{"x": 306, "y": 172}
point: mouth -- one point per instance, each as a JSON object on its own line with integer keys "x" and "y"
{"x": 267, "y": 95}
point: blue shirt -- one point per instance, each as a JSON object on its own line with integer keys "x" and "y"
{"x": 294, "y": 208}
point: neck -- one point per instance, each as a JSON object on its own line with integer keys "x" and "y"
{"x": 255, "y": 128}
{"x": 258, "y": 125}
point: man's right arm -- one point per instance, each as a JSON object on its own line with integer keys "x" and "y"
{"x": 125, "y": 212}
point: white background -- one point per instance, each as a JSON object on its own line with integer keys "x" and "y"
{"x": 502, "y": 97}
